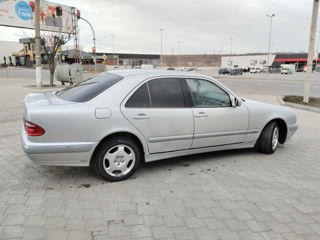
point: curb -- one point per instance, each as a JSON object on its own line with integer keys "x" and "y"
{"x": 261, "y": 79}
{"x": 299, "y": 106}
{"x": 280, "y": 100}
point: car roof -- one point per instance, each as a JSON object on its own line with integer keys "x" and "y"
{"x": 146, "y": 73}
{"x": 133, "y": 77}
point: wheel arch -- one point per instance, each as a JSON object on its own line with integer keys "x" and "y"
{"x": 283, "y": 129}
{"x": 118, "y": 134}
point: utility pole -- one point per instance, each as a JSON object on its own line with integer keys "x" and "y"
{"x": 313, "y": 29}
{"x": 37, "y": 43}
{"x": 161, "y": 30}
{"x": 317, "y": 50}
{"x": 269, "y": 44}
{"x": 230, "y": 45}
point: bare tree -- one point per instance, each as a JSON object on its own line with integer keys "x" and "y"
{"x": 50, "y": 44}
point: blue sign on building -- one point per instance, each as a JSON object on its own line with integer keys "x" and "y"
{"x": 23, "y": 10}
{"x": 154, "y": 63}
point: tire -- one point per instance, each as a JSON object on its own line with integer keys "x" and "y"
{"x": 269, "y": 138}
{"x": 117, "y": 159}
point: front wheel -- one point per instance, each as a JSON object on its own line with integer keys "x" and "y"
{"x": 117, "y": 159}
{"x": 269, "y": 138}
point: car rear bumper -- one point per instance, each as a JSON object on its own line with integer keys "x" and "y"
{"x": 58, "y": 154}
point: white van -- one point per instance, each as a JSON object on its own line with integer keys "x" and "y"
{"x": 255, "y": 70}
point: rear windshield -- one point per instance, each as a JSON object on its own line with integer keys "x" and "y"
{"x": 88, "y": 89}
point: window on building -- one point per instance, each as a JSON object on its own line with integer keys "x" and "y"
{"x": 253, "y": 62}
{"x": 262, "y": 61}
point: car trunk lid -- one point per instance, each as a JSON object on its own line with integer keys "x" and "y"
{"x": 34, "y": 101}
{"x": 43, "y": 99}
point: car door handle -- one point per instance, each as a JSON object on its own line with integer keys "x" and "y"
{"x": 201, "y": 114}
{"x": 141, "y": 116}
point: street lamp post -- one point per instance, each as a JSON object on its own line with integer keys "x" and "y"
{"x": 37, "y": 44}
{"x": 94, "y": 43}
{"x": 179, "y": 42}
{"x": 269, "y": 44}
{"x": 161, "y": 30}
{"x": 112, "y": 36}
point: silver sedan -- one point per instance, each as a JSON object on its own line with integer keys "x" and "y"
{"x": 118, "y": 119}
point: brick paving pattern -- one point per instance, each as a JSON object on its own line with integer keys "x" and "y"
{"x": 224, "y": 195}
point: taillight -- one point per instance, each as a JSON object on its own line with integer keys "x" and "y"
{"x": 33, "y": 129}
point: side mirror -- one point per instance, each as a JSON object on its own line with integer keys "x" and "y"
{"x": 235, "y": 102}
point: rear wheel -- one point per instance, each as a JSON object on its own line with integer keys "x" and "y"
{"x": 117, "y": 159}
{"x": 269, "y": 138}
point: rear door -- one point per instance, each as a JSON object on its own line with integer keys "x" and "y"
{"x": 158, "y": 109}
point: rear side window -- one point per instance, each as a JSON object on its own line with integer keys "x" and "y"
{"x": 166, "y": 92}
{"x": 162, "y": 92}
{"x": 140, "y": 99}
{"x": 88, "y": 89}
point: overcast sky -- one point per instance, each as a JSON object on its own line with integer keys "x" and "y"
{"x": 202, "y": 26}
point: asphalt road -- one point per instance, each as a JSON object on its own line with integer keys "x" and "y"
{"x": 269, "y": 84}
{"x": 260, "y": 84}
{"x": 237, "y": 194}
{"x": 270, "y": 87}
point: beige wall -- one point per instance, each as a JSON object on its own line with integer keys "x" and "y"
{"x": 200, "y": 60}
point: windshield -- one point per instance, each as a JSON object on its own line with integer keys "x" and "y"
{"x": 88, "y": 89}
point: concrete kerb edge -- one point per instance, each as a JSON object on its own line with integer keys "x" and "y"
{"x": 224, "y": 77}
{"x": 298, "y": 106}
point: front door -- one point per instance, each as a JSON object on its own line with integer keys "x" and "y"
{"x": 216, "y": 121}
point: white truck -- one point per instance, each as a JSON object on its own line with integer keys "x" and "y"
{"x": 255, "y": 70}
{"x": 287, "y": 68}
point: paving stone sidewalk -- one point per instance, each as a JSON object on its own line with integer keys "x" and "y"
{"x": 224, "y": 195}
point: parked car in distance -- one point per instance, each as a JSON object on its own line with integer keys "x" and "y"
{"x": 255, "y": 70}
{"x": 224, "y": 71}
{"x": 305, "y": 68}
{"x": 274, "y": 70}
{"x": 286, "y": 71}
{"x": 300, "y": 69}
{"x": 171, "y": 69}
{"x": 236, "y": 71}
{"x": 191, "y": 69}
{"x": 119, "y": 119}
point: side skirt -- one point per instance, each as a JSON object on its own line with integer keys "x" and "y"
{"x": 158, "y": 156}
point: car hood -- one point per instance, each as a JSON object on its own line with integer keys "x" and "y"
{"x": 270, "y": 111}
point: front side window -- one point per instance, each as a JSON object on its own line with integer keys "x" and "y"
{"x": 207, "y": 94}
{"x": 162, "y": 92}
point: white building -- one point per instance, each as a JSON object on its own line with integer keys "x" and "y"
{"x": 7, "y": 48}
{"x": 246, "y": 61}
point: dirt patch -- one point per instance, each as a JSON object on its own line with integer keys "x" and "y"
{"x": 313, "y": 102}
